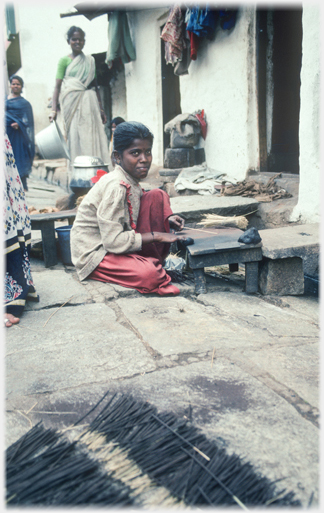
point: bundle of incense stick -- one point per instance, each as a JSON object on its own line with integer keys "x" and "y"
{"x": 127, "y": 453}
{"x": 210, "y": 220}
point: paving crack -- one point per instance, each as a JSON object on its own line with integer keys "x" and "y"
{"x": 306, "y": 410}
{"x": 124, "y": 321}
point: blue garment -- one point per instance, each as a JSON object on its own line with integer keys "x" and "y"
{"x": 19, "y": 110}
{"x": 202, "y": 21}
{"x": 227, "y": 18}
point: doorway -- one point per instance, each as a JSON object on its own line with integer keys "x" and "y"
{"x": 171, "y": 105}
{"x": 279, "y": 51}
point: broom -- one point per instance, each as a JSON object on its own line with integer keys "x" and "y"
{"x": 211, "y": 220}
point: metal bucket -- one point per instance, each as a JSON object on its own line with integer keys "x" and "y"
{"x": 51, "y": 143}
{"x": 85, "y": 168}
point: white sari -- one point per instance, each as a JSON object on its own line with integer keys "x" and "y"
{"x": 81, "y": 113}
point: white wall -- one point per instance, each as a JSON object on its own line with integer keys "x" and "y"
{"x": 43, "y": 43}
{"x": 118, "y": 96}
{"x": 308, "y": 207}
{"x": 143, "y": 76}
{"x": 221, "y": 81}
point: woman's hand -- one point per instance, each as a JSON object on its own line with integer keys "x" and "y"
{"x": 176, "y": 222}
{"x": 15, "y": 126}
{"x": 103, "y": 117}
{"x": 52, "y": 116}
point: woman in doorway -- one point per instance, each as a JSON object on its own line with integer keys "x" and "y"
{"x": 121, "y": 234}
{"x": 76, "y": 88}
{"x": 20, "y": 128}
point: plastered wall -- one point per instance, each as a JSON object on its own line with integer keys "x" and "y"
{"x": 308, "y": 208}
{"x": 221, "y": 81}
{"x": 143, "y": 76}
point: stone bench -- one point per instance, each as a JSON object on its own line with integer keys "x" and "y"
{"x": 288, "y": 253}
{"x": 46, "y": 224}
{"x": 219, "y": 246}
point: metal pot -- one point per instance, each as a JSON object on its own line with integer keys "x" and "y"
{"x": 51, "y": 143}
{"x": 84, "y": 168}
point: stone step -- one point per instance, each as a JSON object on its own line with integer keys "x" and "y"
{"x": 170, "y": 172}
{"x": 289, "y": 253}
{"x": 290, "y": 241}
{"x": 193, "y": 208}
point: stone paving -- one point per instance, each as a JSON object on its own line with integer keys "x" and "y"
{"x": 245, "y": 368}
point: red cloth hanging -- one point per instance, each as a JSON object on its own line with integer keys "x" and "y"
{"x": 194, "y": 44}
{"x": 200, "y": 115}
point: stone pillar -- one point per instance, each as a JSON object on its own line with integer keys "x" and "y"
{"x": 281, "y": 277}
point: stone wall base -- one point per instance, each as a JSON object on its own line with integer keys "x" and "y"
{"x": 179, "y": 157}
{"x": 281, "y": 277}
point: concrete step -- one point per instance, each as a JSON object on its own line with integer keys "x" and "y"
{"x": 289, "y": 253}
{"x": 193, "y": 208}
{"x": 290, "y": 241}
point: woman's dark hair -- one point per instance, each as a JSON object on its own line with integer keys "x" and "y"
{"x": 116, "y": 121}
{"x": 126, "y": 132}
{"x": 16, "y": 77}
{"x": 71, "y": 31}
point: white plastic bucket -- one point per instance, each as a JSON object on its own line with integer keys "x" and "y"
{"x": 51, "y": 143}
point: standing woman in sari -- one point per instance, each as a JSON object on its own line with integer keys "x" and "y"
{"x": 20, "y": 128}
{"x": 80, "y": 102}
{"x": 18, "y": 282}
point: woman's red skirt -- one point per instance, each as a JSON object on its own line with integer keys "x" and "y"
{"x": 143, "y": 271}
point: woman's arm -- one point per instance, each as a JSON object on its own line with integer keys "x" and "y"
{"x": 102, "y": 112}
{"x": 149, "y": 238}
{"x": 57, "y": 89}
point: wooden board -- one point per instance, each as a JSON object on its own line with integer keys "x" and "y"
{"x": 54, "y": 216}
{"x": 213, "y": 240}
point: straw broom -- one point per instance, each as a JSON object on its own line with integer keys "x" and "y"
{"x": 211, "y": 220}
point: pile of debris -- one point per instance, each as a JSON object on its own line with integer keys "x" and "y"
{"x": 262, "y": 193}
{"x": 46, "y": 210}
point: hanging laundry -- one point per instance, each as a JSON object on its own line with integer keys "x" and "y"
{"x": 227, "y": 18}
{"x": 201, "y": 21}
{"x": 120, "y": 44}
{"x": 194, "y": 45}
{"x": 172, "y": 35}
{"x": 181, "y": 67}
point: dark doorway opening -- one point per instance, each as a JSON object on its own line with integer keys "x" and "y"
{"x": 279, "y": 40}
{"x": 170, "y": 95}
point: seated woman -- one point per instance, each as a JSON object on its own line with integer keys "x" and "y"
{"x": 121, "y": 234}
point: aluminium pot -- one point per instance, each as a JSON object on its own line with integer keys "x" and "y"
{"x": 51, "y": 143}
{"x": 85, "y": 168}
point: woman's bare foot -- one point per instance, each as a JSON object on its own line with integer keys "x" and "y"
{"x": 10, "y": 319}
